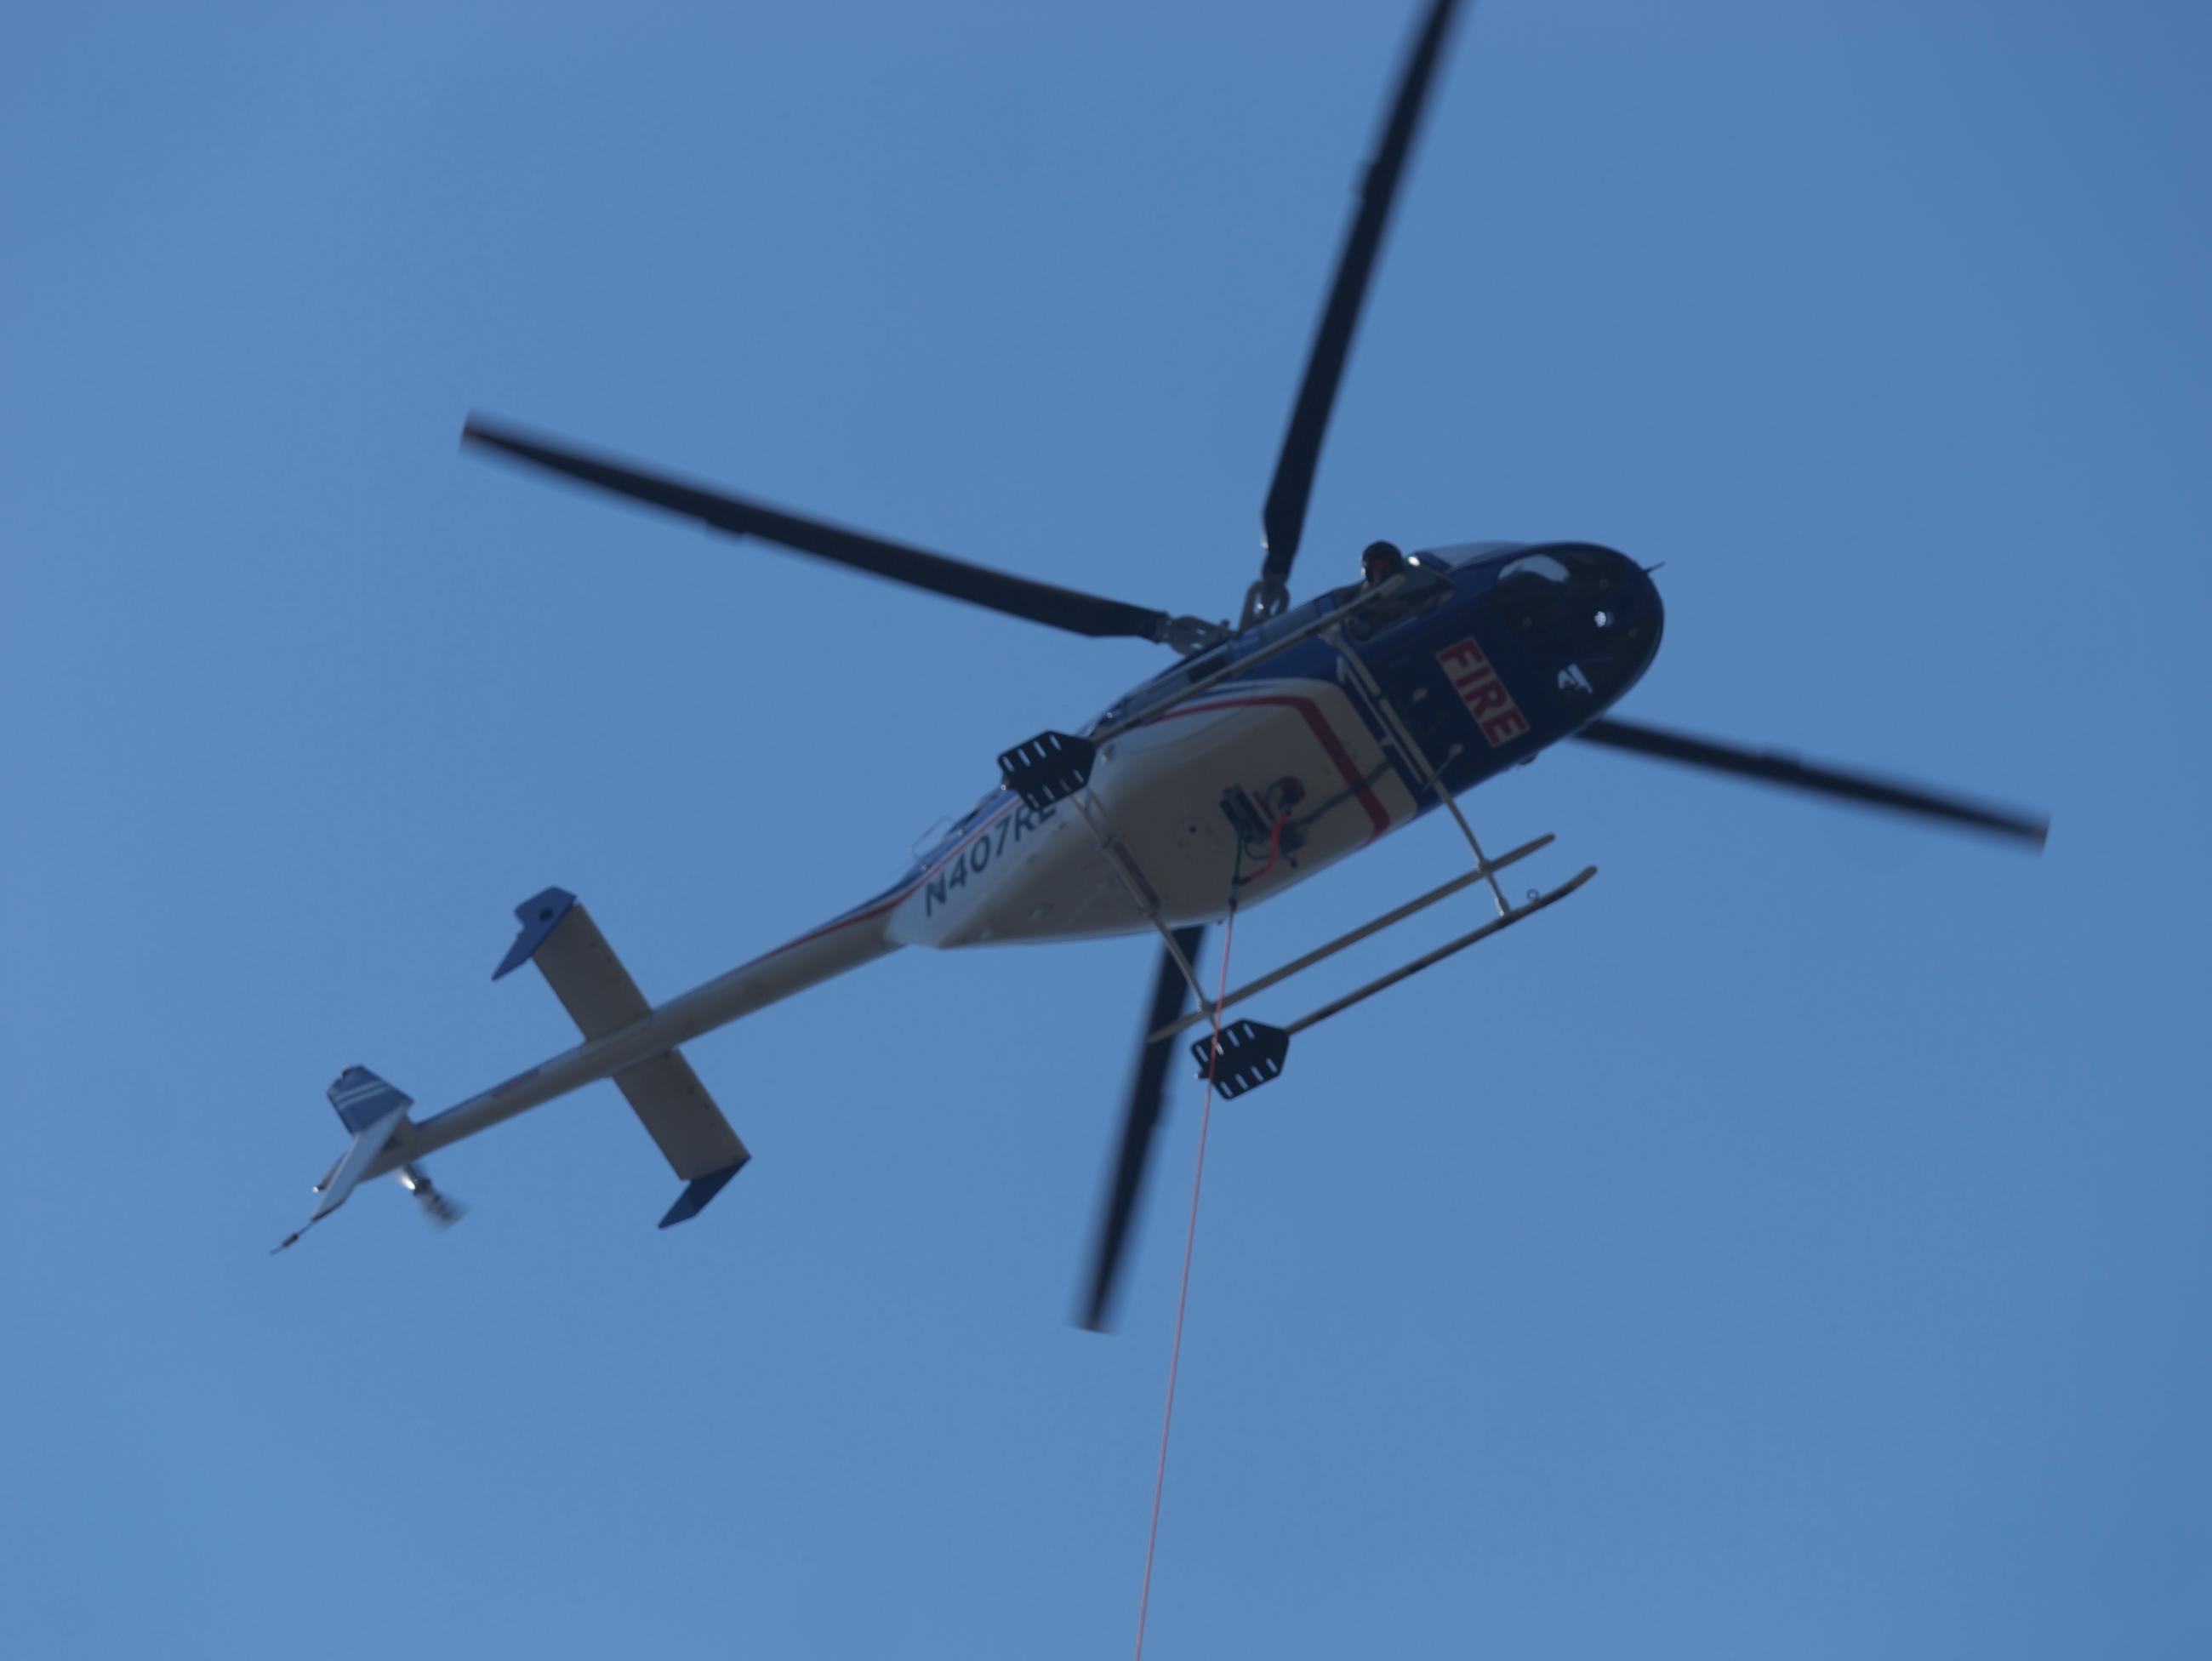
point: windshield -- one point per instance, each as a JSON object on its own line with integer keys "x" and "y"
{"x": 1538, "y": 592}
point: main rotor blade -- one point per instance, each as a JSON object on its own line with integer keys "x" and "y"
{"x": 1021, "y": 597}
{"x": 1779, "y": 768}
{"x": 1143, "y": 1116}
{"x": 1285, "y": 515}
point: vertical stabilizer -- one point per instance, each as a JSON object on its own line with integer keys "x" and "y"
{"x": 375, "y": 1112}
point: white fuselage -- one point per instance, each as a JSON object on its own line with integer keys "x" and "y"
{"x": 1016, "y": 876}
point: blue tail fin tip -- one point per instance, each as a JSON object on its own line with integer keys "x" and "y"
{"x": 539, "y": 915}
{"x": 363, "y": 1099}
{"x": 697, "y": 1193}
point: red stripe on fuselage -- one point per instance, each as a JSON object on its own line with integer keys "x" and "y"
{"x": 1326, "y": 734}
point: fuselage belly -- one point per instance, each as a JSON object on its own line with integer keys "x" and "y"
{"x": 1018, "y": 876}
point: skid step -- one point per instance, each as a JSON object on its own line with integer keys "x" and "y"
{"x": 1048, "y": 768}
{"x": 1252, "y": 1053}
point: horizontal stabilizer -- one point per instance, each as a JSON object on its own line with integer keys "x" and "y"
{"x": 560, "y": 937}
{"x": 681, "y": 1116}
{"x": 578, "y": 963}
{"x": 693, "y": 1200}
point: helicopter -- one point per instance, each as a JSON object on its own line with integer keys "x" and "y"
{"x": 1269, "y": 749}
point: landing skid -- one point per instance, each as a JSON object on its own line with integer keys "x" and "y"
{"x": 1252, "y": 1053}
{"x": 1275, "y": 978}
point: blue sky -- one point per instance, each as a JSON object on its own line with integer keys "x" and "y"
{"x": 1795, "y": 1244}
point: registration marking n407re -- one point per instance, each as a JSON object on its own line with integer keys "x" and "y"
{"x": 976, "y": 858}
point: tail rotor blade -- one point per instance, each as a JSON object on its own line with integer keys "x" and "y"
{"x": 1284, "y": 516}
{"x": 1773, "y": 767}
{"x": 1142, "y": 1117}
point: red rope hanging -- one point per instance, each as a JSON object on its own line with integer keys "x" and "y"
{"x": 1183, "y": 1298}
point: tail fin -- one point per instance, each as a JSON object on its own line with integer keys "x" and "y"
{"x": 364, "y": 1101}
{"x": 375, "y": 1112}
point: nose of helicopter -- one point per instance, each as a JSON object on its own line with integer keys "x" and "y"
{"x": 1626, "y": 619}
{"x": 1594, "y": 610}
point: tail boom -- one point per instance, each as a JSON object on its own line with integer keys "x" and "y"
{"x": 828, "y": 952}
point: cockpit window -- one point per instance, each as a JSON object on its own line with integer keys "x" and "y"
{"x": 1565, "y": 595}
{"x": 1536, "y": 593}
{"x": 1465, "y": 553}
{"x": 1536, "y": 565}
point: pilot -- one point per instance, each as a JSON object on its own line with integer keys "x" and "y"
{"x": 1378, "y": 563}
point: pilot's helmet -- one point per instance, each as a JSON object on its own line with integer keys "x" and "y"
{"x": 1380, "y": 561}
